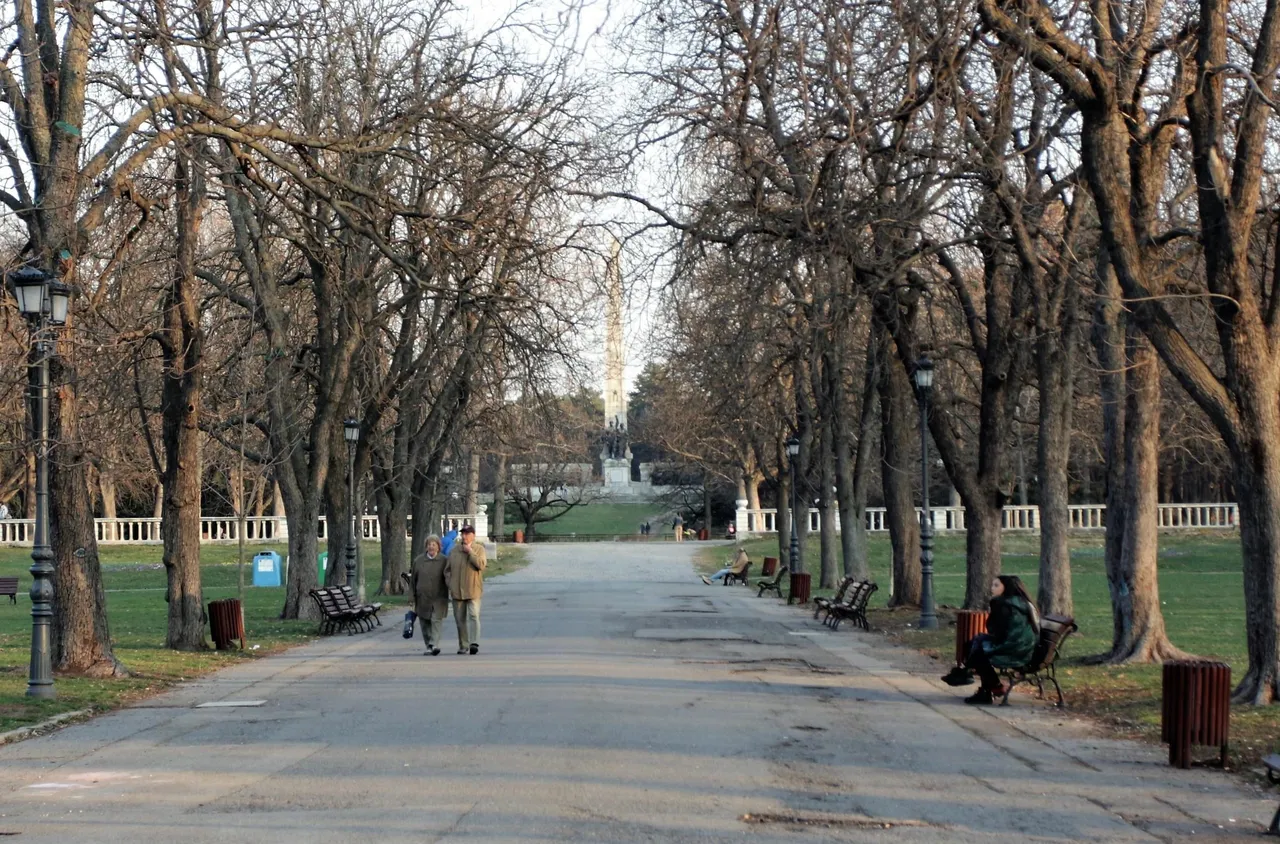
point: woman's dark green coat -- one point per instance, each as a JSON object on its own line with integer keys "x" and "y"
{"x": 1012, "y": 635}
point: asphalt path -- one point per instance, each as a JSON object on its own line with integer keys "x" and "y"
{"x": 615, "y": 698}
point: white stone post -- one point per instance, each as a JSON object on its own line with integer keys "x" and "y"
{"x": 481, "y": 522}
{"x": 741, "y": 525}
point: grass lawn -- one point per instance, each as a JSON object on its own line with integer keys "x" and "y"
{"x": 599, "y": 517}
{"x": 135, "y": 581}
{"x": 1201, "y": 589}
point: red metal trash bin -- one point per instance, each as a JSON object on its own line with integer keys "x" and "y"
{"x": 226, "y": 623}
{"x": 769, "y": 567}
{"x": 969, "y": 623}
{"x": 800, "y": 587}
{"x": 1195, "y": 708}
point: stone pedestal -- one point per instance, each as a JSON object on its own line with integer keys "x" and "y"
{"x": 617, "y": 473}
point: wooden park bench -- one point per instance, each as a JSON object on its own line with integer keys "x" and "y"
{"x": 336, "y": 615}
{"x": 854, "y": 608}
{"x": 347, "y": 595}
{"x": 1273, "y": 774}
{"x": 1054, "y": 631}
{"x": 9, "y": 586}
{"x": 737, "y": 576}
{"x": 774, "y": 585}
{"x": 822, "y": 606}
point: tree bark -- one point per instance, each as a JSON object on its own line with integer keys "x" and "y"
{"x": 827, "y": 528}
{"x": 498, "y": 524}
{"x": 1141, "y": 634}
{"x": 1055, "y": 361}
{"x": 783, "y": 506}
{"x": 897, "y": 468}
{"x": 82, "y": 636}
{"x": 182, "y": 348}
{"x": 471, "y": 500}
{"x": 853, "y": 469}
{"x": 337, "y": 511}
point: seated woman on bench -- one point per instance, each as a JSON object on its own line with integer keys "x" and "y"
{"x": 737, "y": 567}
{"x": 1013, "y": 628}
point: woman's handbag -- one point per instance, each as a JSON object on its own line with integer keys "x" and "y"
{"x": 409, "y": 618}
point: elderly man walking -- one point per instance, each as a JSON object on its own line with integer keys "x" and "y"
{"x": 430, "y": 593}
{"x": 465, "y": 573}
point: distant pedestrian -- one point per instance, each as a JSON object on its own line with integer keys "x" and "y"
{"x": 446, "y": 543}
{"x": 430, "y": 593}
{"x": 4, "y": 511}
{"x": 677, "y": 526}
{"x": 465, "y": 572}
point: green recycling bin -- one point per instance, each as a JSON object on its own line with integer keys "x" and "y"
{"x": 322, "y": 565}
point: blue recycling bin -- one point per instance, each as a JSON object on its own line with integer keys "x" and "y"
{"x": 266, "y": 569}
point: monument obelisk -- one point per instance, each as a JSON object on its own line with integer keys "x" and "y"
{"x": 616, "y": 456}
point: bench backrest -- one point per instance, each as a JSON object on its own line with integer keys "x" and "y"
{"x": 845, "y": 583}
{"x": 328, "y": 600}
{"x": 868, "y": 589}
{"x": 857, "y": 596}
{"x": 8, "y": 583}
{"x": 1054, "y": 630}
{"x": 781, "y": 573}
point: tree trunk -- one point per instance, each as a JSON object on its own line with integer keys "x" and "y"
{"x": 853, "y": 470}
{"x": 107, "y": 488}
{"x": 1055, "y": 360}
{"x": 706, "y": 500}
{"x": 783, "y": 519}
{"x": 471, "y": 501}
{"x": 182, "y": 348}
{"x": 982, "y": 550}
{"x": 303, "y": 514}
{"x": 897, "y": 468}
{"x": 394, "y": 517}
{"x": 498, "y": 524}
{"x": 827, "y": 527}
{"x": 1108, "y": 342}
{"x": 1141, "y": 635}
{"x": 81, "y": 634}
{"x": 337, "y": 511}
{"x": 157, "y": 507}
{"x": 1257, "y": 480}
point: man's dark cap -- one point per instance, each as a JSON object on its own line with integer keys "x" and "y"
{"x": 468, "y": 529}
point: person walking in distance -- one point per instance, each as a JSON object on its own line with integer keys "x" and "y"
{"x": 465, "y": 573}
{"x": 430, "y": 593}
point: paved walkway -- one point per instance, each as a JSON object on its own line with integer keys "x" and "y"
{"x": 616, "y": 698}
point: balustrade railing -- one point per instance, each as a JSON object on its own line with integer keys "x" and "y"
{"x": 1013, "y": 518}
{"x": 147, "y": 531}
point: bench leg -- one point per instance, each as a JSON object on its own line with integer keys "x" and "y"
{"x": 1274, "y": 829}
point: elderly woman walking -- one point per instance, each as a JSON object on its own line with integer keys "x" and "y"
{"x": 430, "y": 593}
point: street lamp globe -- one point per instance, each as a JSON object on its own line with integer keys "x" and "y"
{"x": 793, "y": 447}
{"x": 924, "y": 373}
{"x": 28, "y": 289}
{"x": 351, "y": 431}
{"x": 59, "y": 302}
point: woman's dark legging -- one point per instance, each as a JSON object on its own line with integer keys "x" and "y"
{"x": 979, "y": 662}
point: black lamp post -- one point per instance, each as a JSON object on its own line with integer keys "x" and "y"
{"x": 351, "y": 433}
{"x": 793, "y": 451}
{"x": 924, "y": 385}
{"x": 43, "y": 303}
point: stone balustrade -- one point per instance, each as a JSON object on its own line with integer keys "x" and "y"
{"x": 146, "y": 531}
{"x": 1014, "y": 518}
